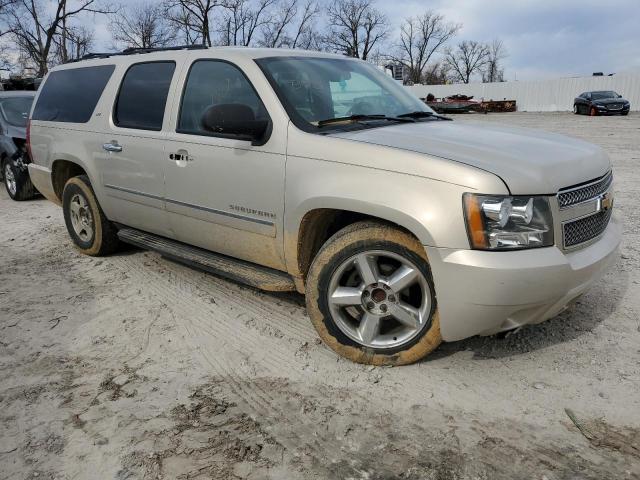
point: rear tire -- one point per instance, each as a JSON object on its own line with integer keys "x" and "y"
{"x": 90, "y": 230}
{"x": 372, "y": 274}
{"x": 576, "y": 110}
{"x": 17, "y": 181}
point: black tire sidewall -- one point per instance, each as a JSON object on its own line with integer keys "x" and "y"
{"x": 69, "y": 191}
{"x": 324, "y": 278}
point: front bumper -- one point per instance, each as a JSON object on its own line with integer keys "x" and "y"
{"x": 483, "y": 293}
{"x": 604, "y": 110}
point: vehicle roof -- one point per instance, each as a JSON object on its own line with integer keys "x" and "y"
{"x": 17, "y": 93}
{"x": 251, "y": 53}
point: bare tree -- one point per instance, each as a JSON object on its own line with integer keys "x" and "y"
{"x": 34, "y": 25}
{"x": 420, "y": 38}
{"x": 274, "y": 33}
{"x": 73, "y": 43}
{"x": 291, "y": 26}
{"x": 355, "y": 27}
{"x": 141, "y": 26}
{"x": 435, "y": 73}
{"x": 493, "y": 71}
{"x": 193, "y": 18}
{"x": 242, "y": 20}
{"x": 306, "y": 36}
{"x": 468, "y": 58}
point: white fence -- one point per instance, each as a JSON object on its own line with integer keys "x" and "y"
{"x": 541, "y": 96}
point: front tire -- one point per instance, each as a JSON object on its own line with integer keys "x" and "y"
{"x": 17, "y": 182}
{"x": 371, "y": 298}
{"x": 90, "y": 230}
{"x": 593, "y": 112}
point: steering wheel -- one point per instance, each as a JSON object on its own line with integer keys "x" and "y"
{"x": 360, "y": 108}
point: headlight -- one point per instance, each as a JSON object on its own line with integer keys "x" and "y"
{"x": 499, "y": 222}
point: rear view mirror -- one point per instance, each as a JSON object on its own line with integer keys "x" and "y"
{"x": 234, "y": 119}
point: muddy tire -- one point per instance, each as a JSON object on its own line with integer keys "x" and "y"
{"x": 17, "y": 181}
{"x": 371, "y": 298}
{"x": 593, "y": 112}
{"x": 90, "y": 230}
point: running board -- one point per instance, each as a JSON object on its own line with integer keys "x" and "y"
{"x": 248, "y": 273}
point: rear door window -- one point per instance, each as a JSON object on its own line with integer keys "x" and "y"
{"x": 143, "y": 96}
{"x": 71, "y": 95}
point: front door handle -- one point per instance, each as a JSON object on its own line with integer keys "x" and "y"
{"x": 112, "y": 147}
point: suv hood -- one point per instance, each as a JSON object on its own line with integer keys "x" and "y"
{"x": 528, "y": 161}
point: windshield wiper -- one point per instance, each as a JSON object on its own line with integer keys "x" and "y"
{"x": 422, "y": 114}
{"x": 359, "y": 118}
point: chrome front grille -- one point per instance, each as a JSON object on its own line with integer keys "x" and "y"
{"x": 573, "y": 196}
{"x": 584, "y": 229}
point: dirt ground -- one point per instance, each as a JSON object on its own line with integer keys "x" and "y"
{"x": 133, "y": 367}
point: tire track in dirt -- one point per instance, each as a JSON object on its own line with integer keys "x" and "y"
{"x": 200, "y": 325}
{"x": 243, "y": 298}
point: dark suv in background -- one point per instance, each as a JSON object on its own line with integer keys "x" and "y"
{"x": 14, "y": 116}
{"x": 605, "y": 102}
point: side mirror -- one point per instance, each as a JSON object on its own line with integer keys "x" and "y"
{"x": 234, "y": 119}
{"x": 619, "y": 96}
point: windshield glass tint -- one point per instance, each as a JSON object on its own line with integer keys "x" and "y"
{"x": 316, "y": 89}
{"x": 16, "y": 110}
{"x": 603, "y": 95}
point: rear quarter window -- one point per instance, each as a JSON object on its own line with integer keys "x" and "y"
{"x": 72, "y": 95}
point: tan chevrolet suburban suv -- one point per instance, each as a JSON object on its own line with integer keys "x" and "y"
{"x": 292, "y": 170}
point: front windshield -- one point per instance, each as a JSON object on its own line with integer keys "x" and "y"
{"x": 603, "y": 95}
{"x": 15, "y": 110}
{"x": 316, "y": 89}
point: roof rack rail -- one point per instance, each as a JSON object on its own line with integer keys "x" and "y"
{"x": 132, "y": 50}
{"x": 136, "y": 50}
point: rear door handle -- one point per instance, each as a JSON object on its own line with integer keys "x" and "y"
{"x": 181, "y": 156}
{"x": 112, "y": 147}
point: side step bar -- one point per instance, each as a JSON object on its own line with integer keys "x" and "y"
{"x": 248, "y": 273}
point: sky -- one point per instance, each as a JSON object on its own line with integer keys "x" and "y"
{"x": 543, "y": 38}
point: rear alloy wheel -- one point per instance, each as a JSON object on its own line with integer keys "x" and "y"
{"x": 17, "y": 182}
{"x": 92, "y": 233}
{"x": 576, "y": 110}
{"x": 370, "y": 296}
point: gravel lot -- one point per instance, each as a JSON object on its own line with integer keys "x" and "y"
{"x": 133, "y": 367}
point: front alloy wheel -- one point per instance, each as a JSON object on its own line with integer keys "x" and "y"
{"x": 370, "y": 295}
{"x": 379, "y": 299}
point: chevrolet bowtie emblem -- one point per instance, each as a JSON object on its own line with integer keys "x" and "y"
{"x": 605, "y": 202}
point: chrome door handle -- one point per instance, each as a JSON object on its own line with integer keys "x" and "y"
{"x": 178, "y": 157}
{"x": 112, "y": 147}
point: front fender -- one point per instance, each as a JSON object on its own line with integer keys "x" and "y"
{"x": 430, "y": 209}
